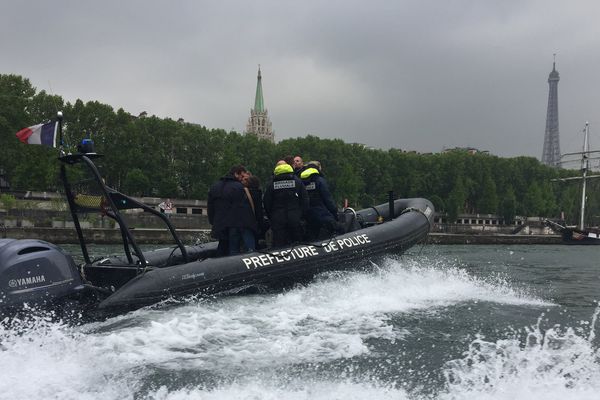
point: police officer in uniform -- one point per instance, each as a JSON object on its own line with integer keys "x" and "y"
{"x": 322, "y": 212}
{"x": 285, "y": 202}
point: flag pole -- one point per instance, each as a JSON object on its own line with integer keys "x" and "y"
{"x": 59, "y": 117}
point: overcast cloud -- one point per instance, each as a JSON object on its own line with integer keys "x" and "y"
{"x": 416, "y": 75}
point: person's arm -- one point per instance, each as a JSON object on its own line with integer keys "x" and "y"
{"x": 327, "y": 199}
{"x": 210, "y": 205}
{"x": 303, "y": 196}
{"x": 258, "y": 205}
{"x": 268, "y": 199}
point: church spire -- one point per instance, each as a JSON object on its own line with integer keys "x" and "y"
{"x": 259, "y": 123}
{"x": 259, "y": 103}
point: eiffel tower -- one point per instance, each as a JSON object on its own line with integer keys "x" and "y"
{"x": 551, "y": 153}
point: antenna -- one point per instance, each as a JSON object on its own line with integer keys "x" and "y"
{"x": 52, "y": 97}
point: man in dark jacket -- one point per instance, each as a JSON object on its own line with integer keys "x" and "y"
{"x": 230, "y": 213}
{"x": 285, "y": 202}
{"x": 322, "y": 212}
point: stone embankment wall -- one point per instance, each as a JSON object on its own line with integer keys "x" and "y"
{"x": 452, "y": 238}
{"x": 62, "y": 219}
{"x": 104, "y": 236}
{"x": 191, "y": 236}
{"x": 57, "y": 227}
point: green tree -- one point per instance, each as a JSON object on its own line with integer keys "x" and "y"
{"x": 8, "y": 201}
{"x": 136, "y": 182}
{"x": 456, "y": 200}
{"x": 533, "y": 201}
{"x": 508, "y": 206}
{"x": 438, "y": 203}
{"x": 488, "y": 202}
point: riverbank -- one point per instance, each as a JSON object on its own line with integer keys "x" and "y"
{"x": 480, "y": 238}
{"x": 161, "y": 236}
{"x": 104, "y": 236}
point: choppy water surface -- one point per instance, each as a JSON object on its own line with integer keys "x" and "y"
{"x": 442, "y": 322}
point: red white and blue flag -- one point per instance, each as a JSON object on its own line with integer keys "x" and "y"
{"x": 39, "y": 134}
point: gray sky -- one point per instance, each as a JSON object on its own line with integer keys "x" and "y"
{"x": 417, "y": 75}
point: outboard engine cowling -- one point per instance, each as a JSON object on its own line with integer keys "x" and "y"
{"x": 35, "y": 271}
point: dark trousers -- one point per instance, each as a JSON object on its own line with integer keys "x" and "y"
{"x": 320, "y": 225}
{"x": 284, "y": 235}
{"x": 230, "y": 245}
{"x": 223, "y": 248}
{"x": 237, "y": 236}
{"x": 286, "y": 226}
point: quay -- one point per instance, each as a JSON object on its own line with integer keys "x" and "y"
{"x": 491, "y": 238}
{"x": 105, "y": 236}
{"x": 44, "y": 221}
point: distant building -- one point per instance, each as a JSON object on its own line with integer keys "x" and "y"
{"x": 362, "y": 146}
{"x": 259, "y": 123}
{"x": 468, "y": 150}
{"x": 551, "y": 152}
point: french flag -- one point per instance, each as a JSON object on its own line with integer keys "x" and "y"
{"x": 39, "y": 134}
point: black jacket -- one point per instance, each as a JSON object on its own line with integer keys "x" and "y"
{"x": 229, "y": 207}
{"x": 285, "y": 192}
{"x": 257, "y": 198}
{"x": 300, "y": 170}
{"x": 318, "y": 192}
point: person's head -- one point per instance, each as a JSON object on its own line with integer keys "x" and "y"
{"x": 282, "y": 167}
{"x": 298, "y": 162}
{"x": 289, "y": 160}
{"x": 252, "y": 181}
{"x": 314, "y": 164}
{"x": 245, "y": 177}
{"x": 238, "y": 172}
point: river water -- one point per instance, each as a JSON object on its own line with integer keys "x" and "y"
{"x": 440, "y": 322}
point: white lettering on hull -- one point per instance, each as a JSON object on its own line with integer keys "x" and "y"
{"x": 303, "y": 252}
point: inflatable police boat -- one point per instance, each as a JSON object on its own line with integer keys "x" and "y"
{"x": 34, "y": 271}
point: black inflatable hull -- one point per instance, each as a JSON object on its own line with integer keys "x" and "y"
{"x": 213, "y": 275}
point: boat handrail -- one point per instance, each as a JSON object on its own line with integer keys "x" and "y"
{"x": 109, "y": 202}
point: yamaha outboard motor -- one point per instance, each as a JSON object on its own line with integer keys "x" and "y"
{"x": 34, "y": 271}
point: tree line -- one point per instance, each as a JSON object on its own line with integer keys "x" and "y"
{"x": 162, "y": 157}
